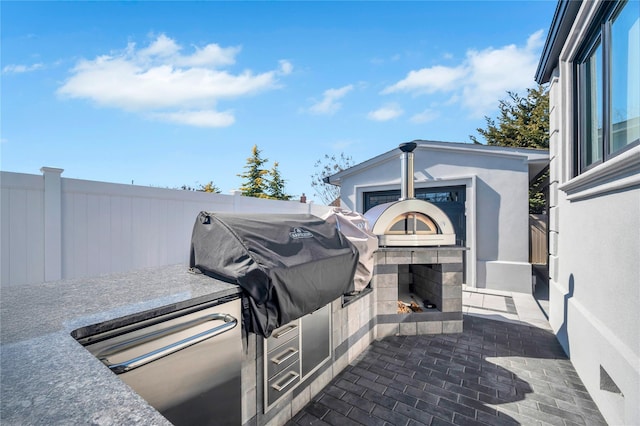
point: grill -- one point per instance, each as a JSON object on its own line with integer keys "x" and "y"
{"x": 288, "y": 265}
{"x": 409, "y": 221}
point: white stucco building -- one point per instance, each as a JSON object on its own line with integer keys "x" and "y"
{"x": 591, "y": 61}
{"x": 484, "y": 191}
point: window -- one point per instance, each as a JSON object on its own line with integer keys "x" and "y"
{"x": 433, "y": 195}
{"x": 608, "y": 87}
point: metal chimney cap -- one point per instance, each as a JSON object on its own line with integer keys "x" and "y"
{"x": 407, "y": 146}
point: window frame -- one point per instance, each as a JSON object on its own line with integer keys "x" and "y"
{"x": 600, "y": 34}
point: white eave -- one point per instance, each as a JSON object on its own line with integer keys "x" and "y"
{"x": 537, "y": 159}
{"x": 563, "y": 20}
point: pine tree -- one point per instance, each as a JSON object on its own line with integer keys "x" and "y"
{"x": 276, "y": 184}
{"x": 255, "y": 184}
{"x": 209, "y": 187}
{"x": 523, "y": 123}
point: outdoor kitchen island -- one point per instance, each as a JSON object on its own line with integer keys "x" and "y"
{"x": 355, "y": 322}
{"x": 49, "y": 378}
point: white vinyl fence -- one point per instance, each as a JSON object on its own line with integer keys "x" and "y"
{"x": 54, "y": 228}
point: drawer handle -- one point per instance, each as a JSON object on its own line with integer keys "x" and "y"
{"x": 286, "y": 354}
{"x": 285, "y": 331}
{"x": 279, "y": 387}
{"x": 122, "y": 367}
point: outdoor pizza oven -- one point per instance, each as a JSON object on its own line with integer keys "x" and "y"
{"x": 409, "y": 221}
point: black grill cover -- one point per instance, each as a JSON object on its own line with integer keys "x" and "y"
{"x": 287, "y": 264}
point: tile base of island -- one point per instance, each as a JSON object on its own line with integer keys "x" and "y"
{"x": 356, "y": 322}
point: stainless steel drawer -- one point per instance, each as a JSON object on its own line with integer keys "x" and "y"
{"x": 187, "y": 365}
{"x": 283, "y": 382}
{"x": 283, "y": 334}
{"x": 279, "y": 358}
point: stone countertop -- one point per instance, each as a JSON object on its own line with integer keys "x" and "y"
{"x": 422, "y": 248}
{"x": 47, "y": 377}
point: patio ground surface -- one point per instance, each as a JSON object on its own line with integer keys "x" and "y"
{"x": 506, "y": 368}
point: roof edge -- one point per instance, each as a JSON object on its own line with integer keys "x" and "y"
{"x": 492, "y": 150}
{"x": 563, "y": 19}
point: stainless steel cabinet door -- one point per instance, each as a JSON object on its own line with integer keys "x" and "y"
{"x": 316, "y": 339}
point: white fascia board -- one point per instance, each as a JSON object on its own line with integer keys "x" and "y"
{"x": 524, "y": 154}
{"x": 496, "y": 151}
{"x": 336, "y": 179}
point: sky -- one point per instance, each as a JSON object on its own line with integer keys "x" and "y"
{"x": 165, "y": 94}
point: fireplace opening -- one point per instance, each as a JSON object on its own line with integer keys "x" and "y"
{"x": 429, "y": 288}
{"x": 412, "y": 223}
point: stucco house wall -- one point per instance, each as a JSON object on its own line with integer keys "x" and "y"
{"x": 496, "y": 181}
{"x": 594, "y": 233}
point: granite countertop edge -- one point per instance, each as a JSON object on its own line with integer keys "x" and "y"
{"x": 47, "y": 377}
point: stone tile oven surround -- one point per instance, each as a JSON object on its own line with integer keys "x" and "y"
{"x": 433, "y": 273}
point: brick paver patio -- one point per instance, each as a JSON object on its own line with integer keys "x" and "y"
{"x": 494, "y": 373}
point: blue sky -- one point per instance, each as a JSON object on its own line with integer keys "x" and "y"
{"x": 176, "y": 93}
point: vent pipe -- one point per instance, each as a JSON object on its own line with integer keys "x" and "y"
{"x": 406, "y": 188}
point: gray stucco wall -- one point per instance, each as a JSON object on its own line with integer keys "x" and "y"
{"x": 497, "y": 206}
{"x": 594, "y": 254}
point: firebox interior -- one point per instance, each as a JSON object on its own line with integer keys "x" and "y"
{"x": 412, "y": 223}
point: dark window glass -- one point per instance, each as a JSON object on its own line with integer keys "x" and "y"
{"x": 592, "y": 142}
{"x": 422, "y": 227}
{"x": 400, "y": 227}
{"x": 625, "y": 77}
{"x": 608, "y": 76}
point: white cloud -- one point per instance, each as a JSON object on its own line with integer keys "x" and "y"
{"x": 19, "y": 69}
{"x": 386, "y": 113}
{"x": 428, "y": 80}
{"x": 481, "y": 79}
{"x": 425, "y": 116}
{"x": 329, "y": 103}
{"x": 286, "y": 67}
{"x": 206, "y": 118}
{"x": 163, "y": 46}
{"x": 160, "y": 80}
{"x": 493, "y": 72}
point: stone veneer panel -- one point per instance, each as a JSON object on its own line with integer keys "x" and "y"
{"x": 451, "y": 305}
{"x": 398, "y": 257}
{"x": 433, "y": 273}
{"x": 452, "y": 326}
{"x": 429, "y": 327}
{"x": 353, "y": 329}
{"x": 408, "y": 328}
{"x": 386, "y": 330}
{"x": 355, "y": 326}
{"x": 422, "y": 257}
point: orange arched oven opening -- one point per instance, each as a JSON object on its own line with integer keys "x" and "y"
{"x": 412, "y": 223}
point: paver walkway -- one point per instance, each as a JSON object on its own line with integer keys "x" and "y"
{"x": 494, "y": 373}
{"x": 519, "y": 308}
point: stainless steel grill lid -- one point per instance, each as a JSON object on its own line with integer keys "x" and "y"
{"x": 409, "y": 221}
